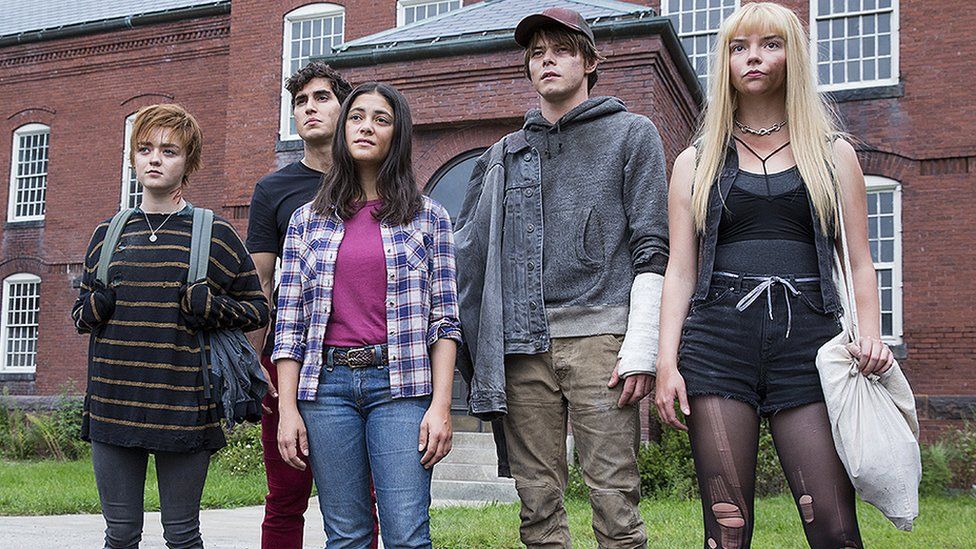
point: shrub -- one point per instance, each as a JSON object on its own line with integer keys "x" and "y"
{"x": 667, "y": 469}
{"x": 949, "y": 465}
{"x": 936, "y": 474}
{"x": 38, "y": 435}
{"x": 576, "y": 488}
{"x": 962, "y": 457}
{"x": 18, "y": 438}
{"x": 243, "y": 454}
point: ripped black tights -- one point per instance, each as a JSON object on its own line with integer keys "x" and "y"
{"x": 724, "y": 442}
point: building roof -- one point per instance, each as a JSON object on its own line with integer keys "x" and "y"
{"x": 20, "y": 16}
{"x": 488, "y": 18}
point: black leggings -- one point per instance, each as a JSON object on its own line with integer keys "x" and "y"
{"x": 725, "y": 443}
{"x": 120, "y": 474}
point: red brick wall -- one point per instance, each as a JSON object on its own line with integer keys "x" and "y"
{"x": 84, "y": 88}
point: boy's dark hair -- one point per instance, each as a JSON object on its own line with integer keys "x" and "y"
{"x": 577, "y": 42}
{"x": 318, "y": 69}
{"x": 340, "y": 189}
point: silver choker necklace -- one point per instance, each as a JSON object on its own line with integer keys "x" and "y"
{"x": 762, "y": 132}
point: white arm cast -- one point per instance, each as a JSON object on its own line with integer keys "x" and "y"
{"x": 639, "y": 351}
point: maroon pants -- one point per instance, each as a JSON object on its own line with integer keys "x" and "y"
{"x": 288, "y": 488}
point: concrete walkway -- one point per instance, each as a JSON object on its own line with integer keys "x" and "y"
{"x": 222, "y": 529}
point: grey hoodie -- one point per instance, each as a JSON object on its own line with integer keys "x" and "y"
{"x": 604, "y": 214}
{"x": 587, "y": 202}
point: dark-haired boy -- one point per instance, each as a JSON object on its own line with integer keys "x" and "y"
{"x": 562, "y": 246}
{"x": 317, "y": 91}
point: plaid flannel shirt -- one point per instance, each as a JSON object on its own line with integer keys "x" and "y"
{"x": 421, "y": 294}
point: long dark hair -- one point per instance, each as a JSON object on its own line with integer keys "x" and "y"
{"x": 340, "y": 190}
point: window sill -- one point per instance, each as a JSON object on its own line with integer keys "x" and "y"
{"x": 898, "y": 349}
{"x": 28, "y": 224}
{"x": 18, "y": 376}
{"x": 867, "y": 94}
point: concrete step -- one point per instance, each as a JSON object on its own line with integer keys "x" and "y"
{"x": 462, "y": 490}
{"x": 474, "y": 440}
{"x": 472, "y": 456}
{"x": 465, "y": 471}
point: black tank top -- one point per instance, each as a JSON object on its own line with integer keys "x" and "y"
{"x": 767, "y": 208}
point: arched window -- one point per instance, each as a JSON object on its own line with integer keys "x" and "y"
{"x": 449, "y": 183}
{"x": 28, "y": 173}
{"x": 884, "y": 237}
{"x": 310, "y": 31}
{"x": 21, "y": 303}
{"x": 131, "y": 190}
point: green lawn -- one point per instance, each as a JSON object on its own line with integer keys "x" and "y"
{"x": 944, "y": 523}
{"x": 50, "y": 487}
{"x": 56, "y": 488}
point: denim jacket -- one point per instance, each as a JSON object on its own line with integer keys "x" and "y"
{"x": 478, "y": 233}
{"x": 706, "y": 244}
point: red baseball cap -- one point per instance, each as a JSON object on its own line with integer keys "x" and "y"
{"x": 552, "y": 16}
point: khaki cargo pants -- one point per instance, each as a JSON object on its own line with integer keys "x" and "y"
{"x": 543, "y": 390}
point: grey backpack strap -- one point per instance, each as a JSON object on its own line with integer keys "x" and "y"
{"x": 199, "y": 261}
{"x": 200, "y": 245}
{"x": 111, "y": 240}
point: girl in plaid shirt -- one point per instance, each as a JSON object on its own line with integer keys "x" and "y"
{"x": 368, "y": 329}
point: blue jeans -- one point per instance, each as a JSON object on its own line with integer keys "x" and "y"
{"x": 355, "y": 429}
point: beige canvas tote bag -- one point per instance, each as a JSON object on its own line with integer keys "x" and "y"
{"x": 873, "y": 419}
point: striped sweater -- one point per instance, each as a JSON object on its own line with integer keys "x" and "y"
{"x": 145, "y": 382}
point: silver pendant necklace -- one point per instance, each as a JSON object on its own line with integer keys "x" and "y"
{"x": 762, "y": 132}
{"x": 152, "y": 232}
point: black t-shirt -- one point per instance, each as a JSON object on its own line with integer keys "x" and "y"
{"x": 276, "y": 197}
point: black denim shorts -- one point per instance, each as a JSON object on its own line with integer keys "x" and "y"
{"x": 766, "y": 362}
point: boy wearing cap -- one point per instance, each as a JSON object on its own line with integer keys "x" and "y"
{"x": 562, "y": 246}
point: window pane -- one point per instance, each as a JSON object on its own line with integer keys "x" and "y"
{"x": 887, "y": 251}
{"x": 21, "y": 314}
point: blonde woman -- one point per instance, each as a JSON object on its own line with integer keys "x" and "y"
{"x": 748, "y": 295}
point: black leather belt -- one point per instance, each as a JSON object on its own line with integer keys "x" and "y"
{"x": 357, "y": 357}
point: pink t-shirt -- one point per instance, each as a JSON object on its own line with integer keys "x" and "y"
{"x": 358, "y": 315}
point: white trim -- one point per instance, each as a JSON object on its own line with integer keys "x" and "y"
{"x": 7, "y": 282}
{"x": 875, "y": 183}
{"x": 128, "y": 170}
{"x": 402, "y": 6}
{"x": 27, "y": 129}
{"x": 895, "y": 41}
{"x": 310, "y": 11}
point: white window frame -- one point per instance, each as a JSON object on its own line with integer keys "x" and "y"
{"x": 709, "y": 53}
{"x": 128, "y": 170}
{"x": 402, "y": 6}
{"x": 875, "y": 183}
{"x": 28, "y": 129}
{"x": 7, "y": 283}
{"x": 895, "y": 41}
{"x": 310, "y": 11}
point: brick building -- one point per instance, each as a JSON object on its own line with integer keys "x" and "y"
{"x": 72, "y": 74}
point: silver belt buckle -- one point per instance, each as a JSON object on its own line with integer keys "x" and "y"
{"x": 362, "y": 356}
